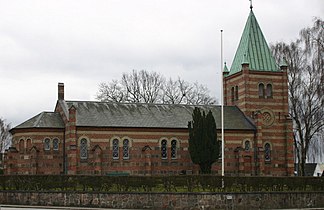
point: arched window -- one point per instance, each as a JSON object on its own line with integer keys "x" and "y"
{"x": 232, "y": 94}
{"x": 247, "y": 145}
{"x": 47, "y": 144}
{"x": 269, "y": 91}
{"x": 28, "y": 144}
{"x": 164, "y": 153}
{"x": 267, "y": 152}
{"x": 126, "y": 149}
{"x": 236, "y": 93}
{"x": 55, "y": 144}
{"x": 261, "y": 90}
{"x": 21, "y": 145}
{"x": 174, "y": 149}
{"x": 115, "y": 149}
{"x": 84, "y": 149}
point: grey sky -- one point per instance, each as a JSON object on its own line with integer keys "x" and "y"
{"x": 83, "y": 43}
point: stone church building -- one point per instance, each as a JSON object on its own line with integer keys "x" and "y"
{"x": 107, "y": 138}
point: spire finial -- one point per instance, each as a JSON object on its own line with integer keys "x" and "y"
{"x": 251, "y": 6}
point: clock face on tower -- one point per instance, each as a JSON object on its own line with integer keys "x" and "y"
{"x": 267, "y": 117}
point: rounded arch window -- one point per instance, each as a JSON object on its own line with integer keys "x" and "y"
{"x": 21, "y": 145}
{"x": 232, "y": 94}
{"x": 115, "y": 149}
{"x": 247, "y": 145}
{"x": 261, "y": 90}
{"x": 269, "y": 91}
{"x": 174, "y": 149}
{"x": 267, "y": 152}
{"x": 84, "y": 149}
{"x": 164, "y": 153}
{"x": 125, "y": 149}
{"x": 55, "y": 144}
{"x": 47, "y": 144}
{"x": 236, "y": 92}
{"x": 29, "y": 143}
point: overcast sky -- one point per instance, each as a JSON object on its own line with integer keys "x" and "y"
{"x": 83, "y": 43}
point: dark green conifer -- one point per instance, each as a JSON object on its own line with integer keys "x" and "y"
{"x": 203, "y": 144}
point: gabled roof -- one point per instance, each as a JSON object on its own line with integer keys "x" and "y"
{"x": 137, "y": 115}
{"x": 253, "y": 49}
{"x": 110, "y": 114}
{"x": 43, "y": 120}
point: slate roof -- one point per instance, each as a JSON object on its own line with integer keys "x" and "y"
{"x": 253, "y": 49}
{"x": 139, "y": 115}
{"x": 110, "y": 114}
{"x": 43, "y": 120}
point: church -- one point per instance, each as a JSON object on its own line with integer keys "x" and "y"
{"x": 108, "y": 138}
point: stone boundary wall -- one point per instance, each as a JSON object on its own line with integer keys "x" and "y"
{"x": 262, "y": 200}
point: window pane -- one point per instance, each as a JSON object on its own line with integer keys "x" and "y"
{"x": 84, "y": 149}
{"x": 47, "y": 144}
{"x": 247, "y": 145}
{"x": 173, "y": 149}
{"x": 261, "y": 90}
{"x": 29, "y": 144}
{"x": 269, "y": 90}
{"x": 55, "y": 144}
{"x": 236, "y": 93}
{"x": 126, "y": 149}
{"x": 115, "y": 149}
{"x": 267, "y": 152}
{"x": 21, "y": 145}
{"x": 164, "y": 153}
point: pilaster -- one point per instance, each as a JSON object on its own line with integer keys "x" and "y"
{"x": 71, "y": 142}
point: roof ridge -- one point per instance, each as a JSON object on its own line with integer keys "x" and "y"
{"x": 46, "y": 112}
{"x": 133, "y": 103}
{"x": 38, "y": 119}
{"x": 138, "y": 103}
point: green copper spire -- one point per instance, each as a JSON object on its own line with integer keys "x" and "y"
{"x": 253, "y": 49}
{"x": 225, "y": 70}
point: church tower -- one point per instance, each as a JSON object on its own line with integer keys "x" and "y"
{"x": 258, "y": 86}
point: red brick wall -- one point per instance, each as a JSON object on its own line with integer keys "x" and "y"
{"x": 144, "y": 153}
{"x": 28, "y": 155}
{"x": 270, "y": 115}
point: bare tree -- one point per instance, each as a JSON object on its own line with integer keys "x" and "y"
{"x": 305, "y": 59}
{"x": 152, "y": 87}
{"x": 175, "y": 91}
{"x": 5, "y": 136}
{"x": 112, "y": 91}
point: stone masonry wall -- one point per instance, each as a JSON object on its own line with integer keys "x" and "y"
{"x": 166, "y": 200}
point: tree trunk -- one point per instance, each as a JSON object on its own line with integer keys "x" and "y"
{"x": 303, "y": 161}
{"x": 205, "y": 168}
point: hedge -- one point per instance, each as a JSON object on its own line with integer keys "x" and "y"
{"x": 188, "y": 183}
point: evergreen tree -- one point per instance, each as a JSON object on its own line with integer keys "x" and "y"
{"x": 203, "y": 144}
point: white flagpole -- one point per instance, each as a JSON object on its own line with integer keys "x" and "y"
{"x": 222, "y": 107}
